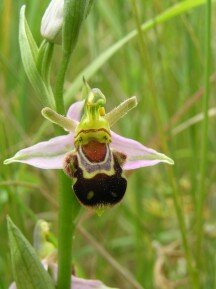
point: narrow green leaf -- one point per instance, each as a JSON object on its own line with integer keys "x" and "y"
{"x": 27, "y": 268}
{"x": 29, "y": 54}
{"x": 88, "y": 7}
{"x": 95, "y": 65}
{"x": 44, "y": 60}
{"x": 32, "y": 43}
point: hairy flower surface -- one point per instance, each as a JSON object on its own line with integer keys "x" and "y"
{"x": 91, "y": 154}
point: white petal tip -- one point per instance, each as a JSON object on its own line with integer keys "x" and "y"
{"x": 11, "y": 160}
{"x": 168, "y": 160}
{"x": 22, "y": 9}
{"x": 160, "y": 158}
{"x": 134, "y": 99}
{"x": 44, "y": 111}
{"x": 8, "y": 161}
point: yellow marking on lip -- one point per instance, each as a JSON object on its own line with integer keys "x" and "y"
{"x": 92, "y": 130}
{"x": 90, "y": 195}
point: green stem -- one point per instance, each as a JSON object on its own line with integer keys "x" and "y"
{"x": 68, "y": 206}
{"x": 59, "y": 89}
{"x": 204, "y": 136}
{"x": 66, "y": 230}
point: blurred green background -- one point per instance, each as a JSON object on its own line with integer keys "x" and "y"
{"x": 164, "y": 67}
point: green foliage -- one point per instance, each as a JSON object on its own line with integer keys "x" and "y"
{"x": 27, "y": 268}
{"x": 30, "y": 54}
{"x": 90, "y": 70}
{"x": 122, "y": 247}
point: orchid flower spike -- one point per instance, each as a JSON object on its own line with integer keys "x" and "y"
{"x": 91, "y": 154}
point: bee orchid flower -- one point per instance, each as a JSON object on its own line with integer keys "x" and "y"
{"x": 91, "y": 154}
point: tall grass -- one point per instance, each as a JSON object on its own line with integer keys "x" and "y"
{"x": 163, "y": 233}
{"x": 204, "y": 143}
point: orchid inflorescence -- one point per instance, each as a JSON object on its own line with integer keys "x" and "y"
{"x": 91, "y": 154}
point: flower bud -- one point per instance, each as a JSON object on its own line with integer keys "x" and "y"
{"x": 52, "y": 21}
